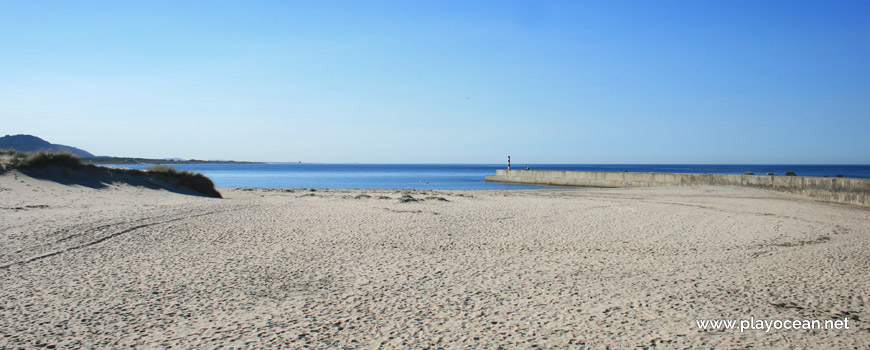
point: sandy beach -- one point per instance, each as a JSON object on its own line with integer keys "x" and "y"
{"x": 129, "y": 266}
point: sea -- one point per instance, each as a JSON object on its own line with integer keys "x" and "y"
{"x": 453, "y": 176}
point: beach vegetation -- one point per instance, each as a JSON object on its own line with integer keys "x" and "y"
{"x": 43, "y": 159}
{"x": 790, "y": 173}
{"x": 69, "y": 162}
{"x": 196, "y": 181}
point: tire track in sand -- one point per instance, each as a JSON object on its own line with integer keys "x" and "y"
{"x": 110, "y": 236}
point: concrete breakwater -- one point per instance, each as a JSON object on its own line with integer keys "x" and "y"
{"x": 834, "y": 189}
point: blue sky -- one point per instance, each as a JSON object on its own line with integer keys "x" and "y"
{"x": 443, "y": 82}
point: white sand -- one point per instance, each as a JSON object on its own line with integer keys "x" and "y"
{"x": 127, "y": 266}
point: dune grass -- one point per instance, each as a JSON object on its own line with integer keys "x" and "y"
{"x": 11, "y": 159}
{"x": 42, "y": 159}
{"x": 198, "y": 182}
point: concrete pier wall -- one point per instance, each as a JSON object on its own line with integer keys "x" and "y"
{"x": 834, "y": 189}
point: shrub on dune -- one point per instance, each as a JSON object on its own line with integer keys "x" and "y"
{"x": 11, "y": 159}
{"x": 7, "y": 152}
{"x": 43, "y": 159}
{"x": 196, "y": 181}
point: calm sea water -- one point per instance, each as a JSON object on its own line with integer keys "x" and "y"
{"x": 452, "y": 176}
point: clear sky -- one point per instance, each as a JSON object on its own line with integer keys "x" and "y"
{"x": 442, "y": 82}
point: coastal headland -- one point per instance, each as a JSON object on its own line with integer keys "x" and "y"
{"x": 124, "y": 265}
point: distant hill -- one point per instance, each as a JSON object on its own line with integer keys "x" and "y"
{"x": 129, "y": 160}
{"x": 30, "y": 143}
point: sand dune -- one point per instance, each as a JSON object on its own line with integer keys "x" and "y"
{"x": 129, "y": 266}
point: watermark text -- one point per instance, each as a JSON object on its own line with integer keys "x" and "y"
{"x": 768, "y": 325}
